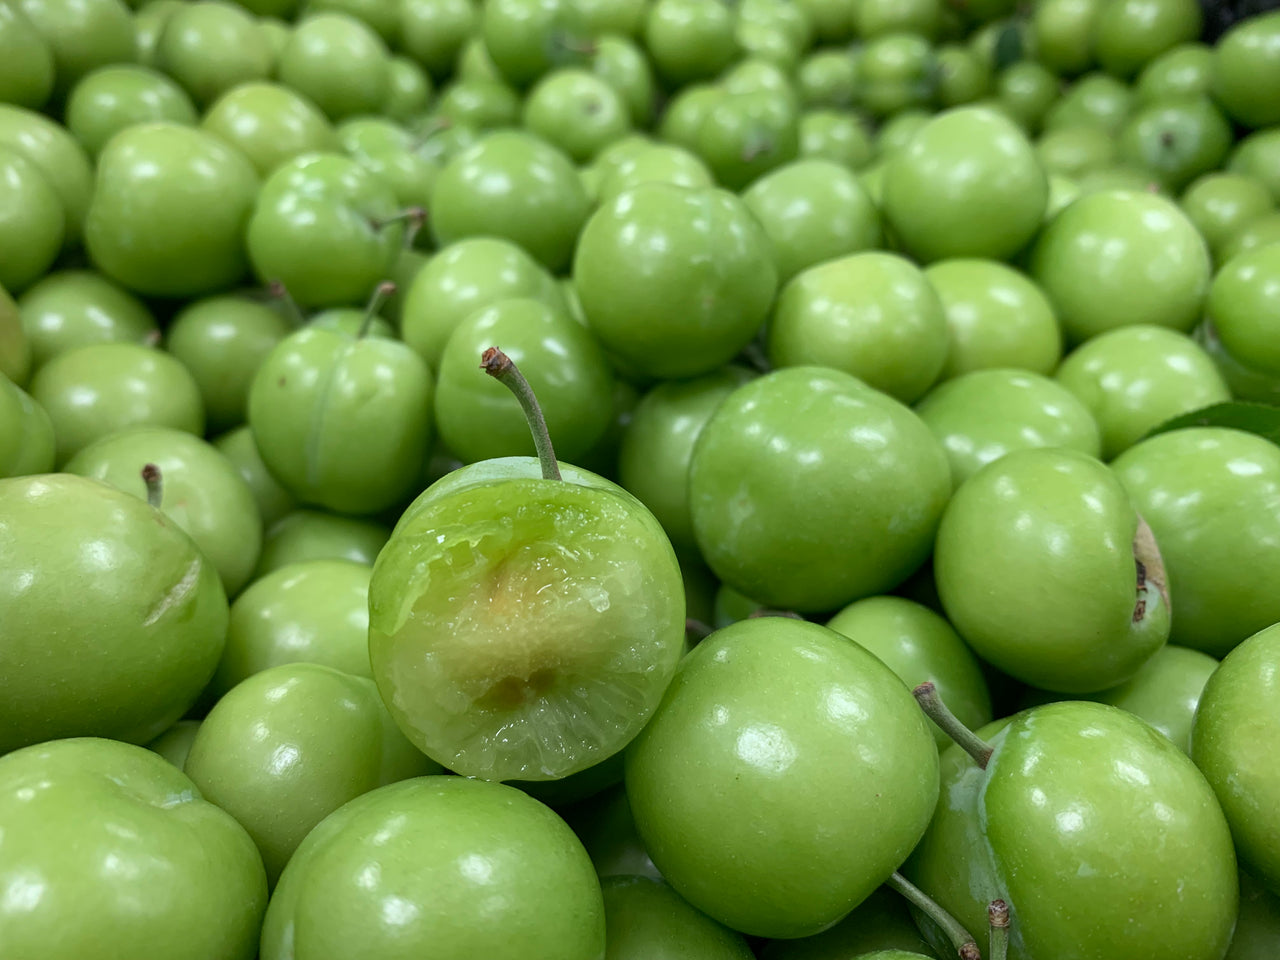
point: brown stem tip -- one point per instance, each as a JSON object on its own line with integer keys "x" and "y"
{"x": 927, "y": 696}
{"x": 155, "y": 486}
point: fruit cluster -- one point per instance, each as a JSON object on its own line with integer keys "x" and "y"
{"x": 639, "y": 480}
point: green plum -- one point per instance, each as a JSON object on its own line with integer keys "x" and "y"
{"x": 478, "y": 417}
{"x": 748, "y": 133}
{"x": 474, "y": 62}
{"x": 465, "y": 277}
{"x": 82, "y": 34}
{"x": 623, "y": 18}
{"x": 26, "y": 433}
{"x": 1261, "y": 232}
{"x": 124, "y": 95}
{"x": 996, "y": 317}
{"x": 1118, "y": 258}
{"x": 1176, "y": 140}
{"x": 107, "y": 847}
{"x": 273, "y": 501}
{"x": 408, "y": 90}
{"x": 76, "y": 308}
{"x": 15, "y": 344}
{"x": 686, "y": 112}
{"x": 433, "y": 32}
{"x": 288, "y": 746}
{"x": 1083, "y": 811}
{"x": 828, "y": 77}
{"x": 1245, "y": 382}
{"x": 1132, "y": 379}
{"x": 1182, "y": 71}
{"x": 388, "y": 151}
{"x": 1076, "y": 151}
{"x": 112, "y": 624}
{"x": 57, "y": 155}
{"x": 690, "y": 40}
{"x": 962, "y": 77}
{"x": 1164, "y": 692}
{"x": 269, "y": 124}
{"x": 880, "y": 922}
{"x": 657, "y": 163}
{"x": 1257, "y": 155}
{"x": 1061, "y": 32}
{"x": 871, "y": 314}
{"x": 674, "y": 280}
{"x": 204, "y": 494}
{"x": 1025, "y": 91}
{"x": 1246, "y": 68}
{"x": 982, "y": 416}
{"x": 1096, "y": 98}
{"x": 810, "y": 489}
{"x": 483, "y": 104}
{"x": 531, "y": 658}
{"x": 839, "y": 136}
{"x": 620, "y": 62}
{"x": 968, "y": 185}
{"x": 338, "y": 63}
{"x": 175, "y": 743}
{"x": 32, "y": 222}
{"x": 479, "y": 870}
{"x": 303, "y": 535}
{"x": 608, "y": 833}
{"x": 740, "y": 755}
{"x": 646, "y": 920}
{"x": 1237, "y": 714}
{"x": 26, "y": 77}
{"x": 1244, "y": 307}
{"x": 526, "y": 39}
{"x": 1129, "y": 34}
{"x": 222, "y": 341}
{"x": 516, "y": 186}
{"x": 657, "y": 446}
{"x": 899, "y": 130}
{"x": 313, "y": 611}
{"x": 898, "y": 71}
{"x": 1212, "y": 497}
{"x": 148, "y": 24}
{"x": 209, "y": 47}
{"x": 918, "y": 645}
{"x": 169, "y": 209}
{"x": 874, "y": 18}
{"x": 813, "y": 210}
{"x": 94, "y": 391}
{"x": 1221, "y": 204}
{"x": 383, "y": 16}
{"x": 318, "y": 431}
{"x": 1048, "y": 572}
{"x": 1258, "y": 928}
{"x": 324, "y": 227}
{"x": 577, "y": 111}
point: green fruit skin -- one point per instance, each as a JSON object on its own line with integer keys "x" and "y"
{"x": 312, "y": 611}
{"x": 1212, "y": 498}
{"x": 1035, "y": 567}
{"x": 1258, "y": 928}
{"x": 409, "y": 90}
{"x": 318, "y": 431}
{"x": 1221, "y": 205}
{"x": 303, "y": 535}
{"x": 837, "y": 136}
{"x": 1061, "y": 29}
{"x": 1256, "y": 155}
{"x": 269, "y": 124}
{"x": 982, "y": 416}
{"x": 663, "y": 163}
{"x": 1095, "y": 98}
{"x": 608, "y": 833}
{"x": 740, "y": 756}
{"x": 32, "y": 222}
{"x": 273, "y": 500}
{"x": 26, "y": 433}
{"x": 525, "y": 39}
{"x": 578, "y": 558}
{"x": 1128, "y": 34}
{"x": 513, "y": 185}
{"x": 1182, "y": 71}
{"x": 477, "y": 416}
{"x": 113, "y": 98}
{"x": 1134, "y": 378}
{"x": 1244, "y": 306}
{"x": 74, "y": 308}
{"x": 1164, "y": 692}
{"x": 121, "y": 850}
{"x": 388, "y": 151}
{"x": 337, "y": 62}
{"x": 918, "y": 645}
{"x": 1084, "y": 805}
{"x": 317, "y": 228}
{"x": 289, "y": 745}
{"x": 132, "y": 232}
{"x": 674, "y": 280}
{"x": 202, "y": 492}
{"x": 1237, "y": 713}
{"x": 996, "y": 317}
{"x": 57, "y": 155}
{"x": 969, "y": 185}
{"x": 657, "y": 446}
{"x": 222, "y": 341}
{"x": 97, "y": 390}
{"x": 646, "y": 920}
{"x": 813, "y": 210}
{"x": 15, "y": 345}
{"x": 1246, "y": 68}
{"x": 210, "y": 48}
{"x": 881, "y": 922}
{"x": 576, "y": 111}
{"x": 124, "y": 575}
{"x": 477, "y": 869}
{"x": 26, "y": 79}
{"x": 175, "y": 743}
{"x": 809, "y": 489}
{"x": 1119, "y": 258}
{"x": 1176, "y": 140}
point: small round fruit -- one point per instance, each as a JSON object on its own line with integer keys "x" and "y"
{"x": 269, "y": 124}
{"x": 273, "y": 501}
{"x": 75, "y": 308}
{"x": 124, "y": 95}
{"x": 32, "y": 222}
{"x": 1246, "y": 70}
{"x": 1244, "y": 306}
{"x": 58, "y": 156}
{"x": 646, "y": 920}
{"x": 210, "y": 47}
{"x": 1129, "y": 34}
{"x": 338, "y": 63}
{"x": 26, "y": 78}
{"x": 303, "y": 535}
{"x": 576, "y": 111}
{"x": 83, "y": 35}
{"x": 1222, "y": 204}
{"x": 26, "y": 433}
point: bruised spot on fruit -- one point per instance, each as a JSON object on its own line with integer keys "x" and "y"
{"x": 176, "y": 594}
{"x": 1149, "y": 567}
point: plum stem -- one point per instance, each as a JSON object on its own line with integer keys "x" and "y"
{"x": 414, "y": 223}
{"x": 698, "y": 629}
{"x": 998, "y": 920}
{"x": 503, "y": 369}
{"x": 155, "y": 484}
{"x": 407, "y": 215}
{"x": 966, "y": 947}
{"x": 293, "y": 313}
{"x": 927, "y": 696}
{"x": 376, "y": 300}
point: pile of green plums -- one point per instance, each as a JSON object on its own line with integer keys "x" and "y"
{"x": 639, "y": 480}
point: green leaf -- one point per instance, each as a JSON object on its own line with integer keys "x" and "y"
{"x": 1008, "y": 49}
{"x": 1261, "y": 419}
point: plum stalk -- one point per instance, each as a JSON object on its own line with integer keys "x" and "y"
{"x": 927, "y": 696}
{"x": 503, "y": 369}
{"x": 965, "y": 945}
{"x": 998, "y": 921}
